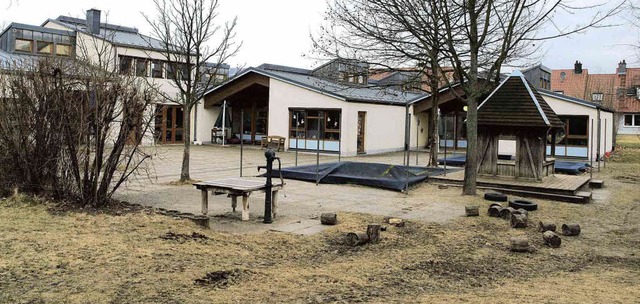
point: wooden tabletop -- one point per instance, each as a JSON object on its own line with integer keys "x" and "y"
{"x": 235, "y": 184}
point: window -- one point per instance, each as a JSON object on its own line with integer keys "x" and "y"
{"x": 156, "y": 69}
{"x": 125, "y": 65}
{"x": 314, "y": 125}
{"x": 576, "y": 130}
{"x": 597, "y": 96}
{"x": 24, "y": 45}
{"x": 44, "y": 47}
{"x": 563, "y": 76}
{"x": 632, "y": 120}
{"x": 141, "y": 67}
{"x": 171, "y": 71}
{"x": 63, "y": 50}
{"x": 184, "y": 71}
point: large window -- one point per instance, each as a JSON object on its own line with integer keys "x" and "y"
{"x": 44, "y": 47}
{"x": 63, "y": 49}
{"x": 576, "y": 130}
{"x": 632, "y": 120}
{"x": 315, "y": 124}
{"x": 24, "y": 45}
{"x": 157, "y": 68}
{"x": 125, "y": 65}
{"x": 141, "y": 67}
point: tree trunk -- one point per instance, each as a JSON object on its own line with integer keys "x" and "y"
{"x": 471, "y": 210}
{"x": 552, "y": 239}
{"x": 186, "y": 155}
{"x": 544, "y": 226}
{"x": 355, "y": 239}
{"x": 520, "y": 244}
{"x": 518, "y": 220}
{"x": 570, "y": 229}
{"x": 328, "y": 219}
{"x": 373, "y": 233}
{"x": 494, "y": 211}
{"x": 433, "y": 135}
{"x": 470, "y": 168}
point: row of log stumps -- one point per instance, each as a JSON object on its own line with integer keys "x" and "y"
{"x": 372, "y": 235}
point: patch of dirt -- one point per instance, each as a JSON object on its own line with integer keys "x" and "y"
{"x": 181, "y": 237}
{"x": 221, "y": 278}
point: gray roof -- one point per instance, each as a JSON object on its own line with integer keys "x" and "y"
{"x": 579, "y": 101}
{"x": 350, "y": 93}
{"x": 116, "y": 34}
{"x": 8, "y": 59}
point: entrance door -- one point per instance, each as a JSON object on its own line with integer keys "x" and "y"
{"x": 361, "y": 128}
{"x": 169, "y": 125}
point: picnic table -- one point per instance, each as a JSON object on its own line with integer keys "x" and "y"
{"x": 235, "y": 187}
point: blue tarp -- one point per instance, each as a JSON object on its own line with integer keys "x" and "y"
{"x": 393, "y": 177}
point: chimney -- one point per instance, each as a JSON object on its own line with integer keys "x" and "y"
{"x": 577, "y": 67}
{"x": 622, "y": 68}
{"x": 93, "y": 21}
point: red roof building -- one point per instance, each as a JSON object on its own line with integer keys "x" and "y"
{"x": 619, "y": 91}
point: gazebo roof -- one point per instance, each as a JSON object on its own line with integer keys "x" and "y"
{"x": 516, "y": 103}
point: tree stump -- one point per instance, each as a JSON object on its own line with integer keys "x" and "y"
{"x": 373, "y": 233}
{"x": 552, "y": 239}
{"x": 494, "y": 211}
{"x": 506, "y": 213}
{"x": 398, "y": 222}
{"x": 521, "y": 211}
{"x": 518, "y": 220}
{"x": 471, "y": 210}
{"x": 570, "y": 229}
{"x": 544, "y": 226}
{"x": 328, "y": 219}
{"x": 495, "y": 204}
{"x": 520, "y": 244}
{"x": 355, "y": 239}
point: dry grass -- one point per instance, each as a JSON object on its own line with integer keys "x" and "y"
{"x": 89, "y": 257}
{"x": 628, "y": 141}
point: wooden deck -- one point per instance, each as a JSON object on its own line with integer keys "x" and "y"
{"x": 556, "y": 187}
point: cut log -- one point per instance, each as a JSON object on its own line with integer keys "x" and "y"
{"x": 443, "y": 187}
{"x": 521, "y": 211}
{"x": 570, "y": 229}
{"x": 544, "y": 226}
{"x": 355, "y": 239}
{"x": 520, "y": 244}
{"x": 552, "y": 239}
{"x": 398, "y": 222}
{"x": 328, "y": 219}
{"x": 471, "y": 210}
{"x": 494, "y": 211}
{"x": 496, "y": 204}
{"x": 505, "y": 213}
{"x": 373, "y": 233}
{"x": 518, "y": 220}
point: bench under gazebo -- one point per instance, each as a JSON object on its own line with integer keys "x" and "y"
{"x": 516, "y": 111}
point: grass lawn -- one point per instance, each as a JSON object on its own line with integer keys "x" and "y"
{"x": 628, "y": 141}
{"x": 49, "y": 255}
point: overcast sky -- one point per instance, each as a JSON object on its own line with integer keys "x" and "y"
{"x": 277, "y": 31}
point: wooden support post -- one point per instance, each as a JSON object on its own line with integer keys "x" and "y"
{"x": 245, "y": 207}
{"x": 205, "y": 201}
{"x": 234, "y": 202}
{"x": 274, "y": 203}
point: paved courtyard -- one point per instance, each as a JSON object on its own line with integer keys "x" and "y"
{"x": 300, "y": 209}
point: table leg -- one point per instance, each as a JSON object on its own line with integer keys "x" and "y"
{"x": 205, "y": 201}
{"x": 274, "y": 203}
{"x": 234, "y": 202}
{"x": 245, "y": 207}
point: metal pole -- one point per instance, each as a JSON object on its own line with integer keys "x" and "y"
{"x": 604, "y": 163}
{"x": 444, "y": 122}
{"x": 340, "y": 137}
{"x": 241, "y": 139}
{"x": 297, "y": 117}
{"x": 591, "y": 152}
{"x": 270, "y": 155}
{"x": 417, "y": 139}
{"x": 224, "y": 120}
{"x": 318, "y": 150}
{"x": 598, "y": 156}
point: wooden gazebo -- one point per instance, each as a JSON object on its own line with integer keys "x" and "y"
{"x": 516, "y": 111}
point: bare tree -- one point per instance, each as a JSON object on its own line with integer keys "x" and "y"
{"x": 191, "y": 36}
{"x": 484, "y": 35}
{"x": 72, "y": 127}
{"x": 392, "y": 35}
